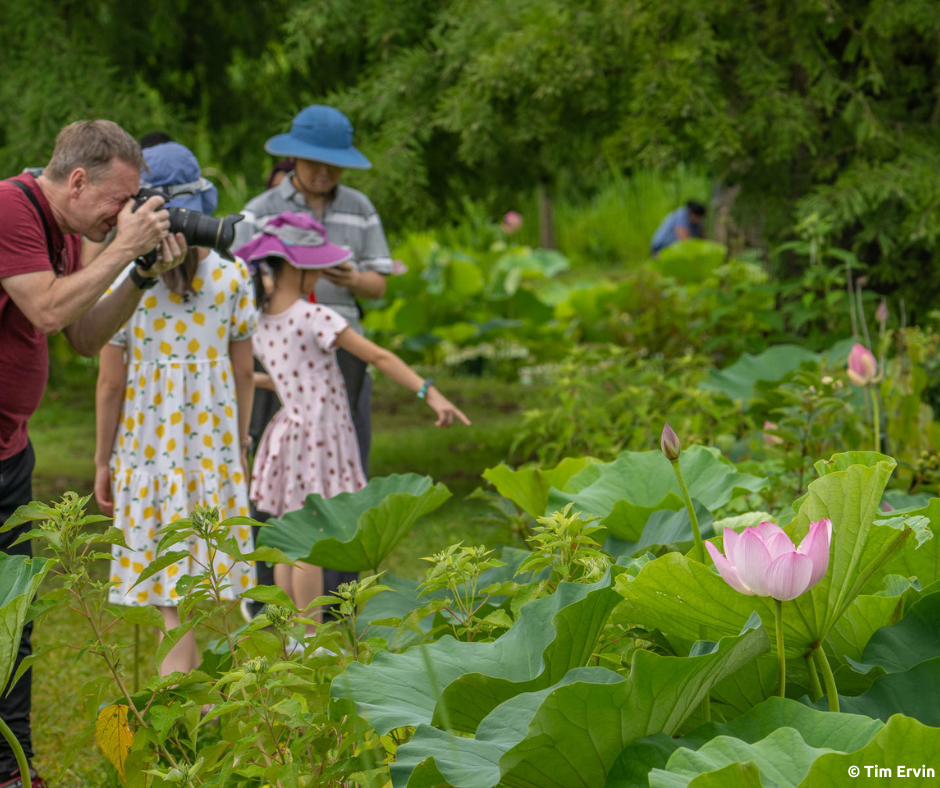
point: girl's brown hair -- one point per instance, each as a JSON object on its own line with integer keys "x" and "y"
{"x": 180, "y": 279}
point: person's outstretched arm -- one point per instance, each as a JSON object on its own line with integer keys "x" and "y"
{"x": 109, "y": 396}
{"x": 391, "y": 365}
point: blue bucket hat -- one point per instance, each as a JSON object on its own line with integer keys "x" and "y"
{"x": 320, "y": 133}
{"x": 174, "y": 170}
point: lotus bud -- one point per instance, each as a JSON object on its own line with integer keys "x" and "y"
{"x": 771, "y": 440}
{"x": 512, "y": 222}
{"x": 881, "y": 314}
{"x": 862, "y": 367}
{"x": 670, "y": 443}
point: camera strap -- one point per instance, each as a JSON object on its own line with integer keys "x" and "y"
{"x": 50, "y": 247}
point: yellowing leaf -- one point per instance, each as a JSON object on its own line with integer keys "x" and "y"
{"x": 113, "y": 736}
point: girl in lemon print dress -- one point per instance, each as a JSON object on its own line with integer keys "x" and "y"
{"x": 173, "y": 405}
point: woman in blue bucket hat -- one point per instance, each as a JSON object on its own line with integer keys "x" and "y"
{"x": 320, "y": 144}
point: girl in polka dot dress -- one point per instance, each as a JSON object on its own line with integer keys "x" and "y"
{"x": 174, "y": 399}
{"x": 310, "y": 445}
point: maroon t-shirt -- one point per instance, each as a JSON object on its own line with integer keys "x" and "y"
{"x": 24, "y": 352}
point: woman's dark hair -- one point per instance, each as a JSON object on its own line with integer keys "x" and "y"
{"x": 180, "y": 279}
{"x": 284, "y": 165}
{"x": 273, "y": 266}
{"x": 695, "y": 208}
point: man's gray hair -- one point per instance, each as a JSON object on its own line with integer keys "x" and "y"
{"x": 92, "y": 145}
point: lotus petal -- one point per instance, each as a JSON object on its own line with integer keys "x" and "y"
{"x": 727, "y": 571}
{"x": 751, "y": 559}
{"x": 789, "y": 576}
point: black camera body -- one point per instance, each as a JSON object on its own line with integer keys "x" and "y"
{"x": 197, "y": 228}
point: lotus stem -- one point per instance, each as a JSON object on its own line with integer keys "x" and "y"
{"x": 696, "y": 533}
{"x": 781, "y": 657}
{"x": 706, "y": 701}
{"x": 21, "y": 761}
{"x": 830, "y": 680}
{"x": 813, "y": 677}
{"x": 876, "y": 417}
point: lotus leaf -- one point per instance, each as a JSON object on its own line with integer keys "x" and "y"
{"x": 571, "y": 733}
{"x": 628, "y": 490}
{"x": 458, "y": 684}
{"x": 353, "y": 532}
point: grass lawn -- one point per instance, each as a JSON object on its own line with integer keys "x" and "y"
{"x": 404, "y": 441}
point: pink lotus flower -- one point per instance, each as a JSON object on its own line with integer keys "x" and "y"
{"x": 762, "y": 561}
{"x": 512, "y": 222}
{"x": 399, "y": 268}
{"x": 862, "y": 365}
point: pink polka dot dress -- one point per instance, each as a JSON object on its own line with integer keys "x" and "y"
{"x": 310, "y": 444}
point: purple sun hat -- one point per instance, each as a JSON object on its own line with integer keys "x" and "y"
{"x": 298, "y": 238}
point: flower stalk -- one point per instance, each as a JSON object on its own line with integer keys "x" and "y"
{"x": 781, "y": 657}
{"x": 830, "y": 680}
{"x": 813, "y": 677}
{"x": 672, "y": 447}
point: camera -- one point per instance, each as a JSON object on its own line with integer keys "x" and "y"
{"x": 197, "y": 228}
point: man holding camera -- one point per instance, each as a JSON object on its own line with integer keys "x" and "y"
{"x": 85, "y": 190}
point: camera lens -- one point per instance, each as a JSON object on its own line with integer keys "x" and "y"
{"x": 201, "y": 230}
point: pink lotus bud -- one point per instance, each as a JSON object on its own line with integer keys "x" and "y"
{"x": 399, "y": 268}
{"x": 886, "y": 507}
{"x": 862, "y": 367}
{"x": 771, "y": 440}
{"x": 512, "y": 222}
{"x": 762, "y": 561}
{"x": 670, "y": 443}
{"x": 881, "y": 314}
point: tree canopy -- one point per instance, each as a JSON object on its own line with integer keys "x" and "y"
{"x": 825, "y": 112}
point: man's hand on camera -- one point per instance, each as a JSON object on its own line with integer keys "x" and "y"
{"x": 142, "y": 230}
{"x": 170, "y": 253}
{"x": 342, "y": 275}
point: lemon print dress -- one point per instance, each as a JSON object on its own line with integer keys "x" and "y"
{"x": 177, "y": 443}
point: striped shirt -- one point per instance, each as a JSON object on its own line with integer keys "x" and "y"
{"x": 350, "y": 220}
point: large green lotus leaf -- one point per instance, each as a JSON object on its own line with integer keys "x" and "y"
{"x": 578, "y": 731}
{"x": 738, "y": 380}
{"x": 923, "y": 563}
{"x": 528, "y": 487}
{"x": 353, "y": 532}
{"x": 678, "y": 596}
{"x": 867, "y": 614}
{"x": 913, "y": 640}
{"x": 783, "y": 759}
{"x": 914, "y": 692}
{"x": 665, "y": 527}
{"x": 818, "y": 729}
{"x": 628, "y": 490}
{"x": 433, "y": 756}
{"x": 571, "y": 733}
{"x": 20, "y": 577}
{"x": 458, "y": 683}
{"x": 902, "y": 742}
